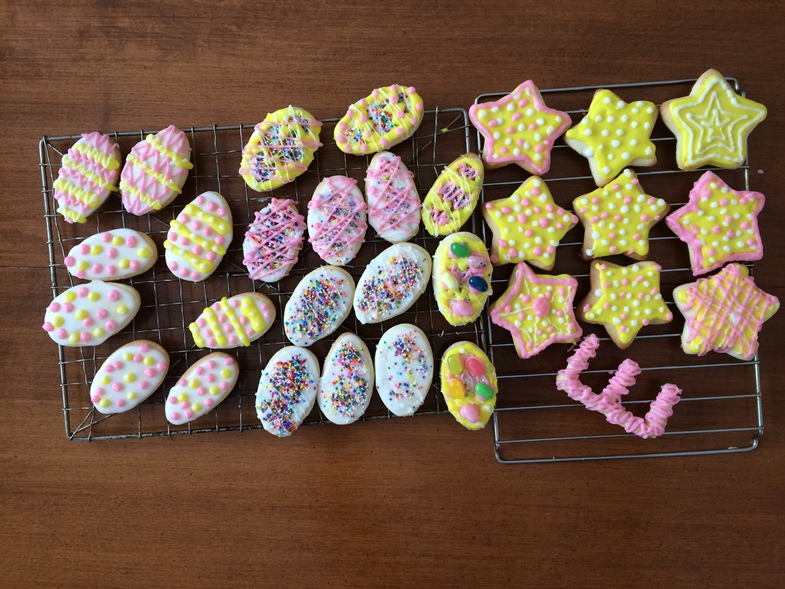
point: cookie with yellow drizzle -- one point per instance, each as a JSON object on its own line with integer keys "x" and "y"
{"x": 614, "y": 135}
{"x": 528, "y": 225}
{"x": 382, "y": 119}
{"x": 617, "y": 218}
{"x": 155, "y": 171}
{"x": 469, "y": 385}
{"x": 519, "y": 128}
{"x": 233, "y": 321}
{"x": 453, "y": 197}
{"x": 198, "y": 237}
{"x": 461, "y": 277}
{"x": 87, "y": 177}
{"x": 712, "y": 124}
{"x": 280, "y": 149}
{"x": 624, "y": 299}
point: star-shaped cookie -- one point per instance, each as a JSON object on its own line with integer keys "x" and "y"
{"x": 614, "y": 135}
{"x": 724, "y": 313}
{"x": 537, "y": 310}
{"x": 711, "y": 125}
{"x": 527, "y": 225}
{"x": 617, "y": 218}
{"x": 519, "y": 128}
{"x": 718, "y": 224}
{"x": 624, "y": 299}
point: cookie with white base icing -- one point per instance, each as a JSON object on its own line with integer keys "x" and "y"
{"x": 393, "y": 202}
{"x": 337, "y": 220}
{"x": 346, "y": 385}
{"x": 201, "y": 388}
{"x": 469, "y": 385}
{"x": 461, "y": 277}
{"x": 452, "y": 198}
{"x": 112, "y": 255}
{"x": 233, "y": 321}
{"x": 404, "y": 368}
{"x": 273, "y": 241}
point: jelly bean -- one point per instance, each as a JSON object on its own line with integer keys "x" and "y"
{"x": 460, "y": 250}
{"x": 484, "y": 391}
{"x": 455, "y": 388}
{"x": 478, "y": 283}
{"x": 475, "y": 366}
{"x": 454, "y": 365}
{"x": 470, "y": 413}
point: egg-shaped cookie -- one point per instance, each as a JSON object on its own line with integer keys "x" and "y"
{"x": 155, "y": 171}
{"x": 346, "y": 384}
{"x": 404, "y": 368}
{"x": 198, "y": 238}
{"x": 87, "y": 177}
{"x": 452, "y": 198}
{"x": 461, "y": 277}
{"x": 337, "y": 220}
{"x": 112, "y": 255}
{"x": 273, "y": 240}
{"x": 319, "y": 304}
{"x": 382, "y": 119}
{"x": 287, "y": 390}
{"x": 393, "y": 202}
{"x": 201, "y": 388}
{"x": 469, "y": 384}
{"x": 392, "y": 282}
{"x": 233, "y": 321}
{"x": 129, "y": 376}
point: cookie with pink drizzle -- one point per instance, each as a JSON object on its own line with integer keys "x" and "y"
{"x": 273, "y": 241}
{"x": 87, "y": 177}
{"x": 155, "y": 171}
{"x": 346, "y": 385}
{"x": 608, "y": 402}
{"x": 337, "y": 220}
{"x": 201, "y": 388}
{"x": 393, "y": 202}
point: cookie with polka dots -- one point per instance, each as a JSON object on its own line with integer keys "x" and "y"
{"x": 201, "y": 388}
{"x": 233, "y": 321}
{"x": 112, "y": 255}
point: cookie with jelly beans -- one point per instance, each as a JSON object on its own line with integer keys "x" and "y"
{"x": 112, "y": 255}
{"x": 346, "y": 385}
{"x": 461, "y": 277}
{"x": 452, "y": 198}
{"x": 469, "y": 385}
{"x": 201, "y": 388}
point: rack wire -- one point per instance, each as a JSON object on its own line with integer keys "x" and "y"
{"x": 169, "y": 304}
{"x": 721, "y": 406}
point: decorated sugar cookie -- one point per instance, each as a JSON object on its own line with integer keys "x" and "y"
{"x": 519, "y": 129}
{"x": 89, "y": 314}
{"x": 112, "y": 255}
{"x": 198, "y": 237}
{"x": 87, "y": 177}
{"x": 404, "y": 368}
{"x": 233, "y": 321}
{"x": 461, "y": 277}
{"x": 537, "y": 310}
{"x": 337, "y": 220}
{"x": 155, "y": 171}
{"x": 393, "y": 202}
{"x": 392, "y": 282}
{"x": 201, "y": 388}
{"x": 273, "y": 241}
{"x": 386, "y": 117}
{"x": 624, "y": 299}
{"x": 719, "y": 224}
{"x": 346, "y": 384}
{"x": 712, "y": 124}
{"x": 614, "y": 135}
{"x": 617, "y": 218}
{"x": 280, "y": 149}
{"x": 724, "y": 313}
{"x": 287, "y": 390}
{"x": 469, "y": 384}
{"x": 128, "y": 376}
{"x": 452, "y": 198}
{"x": 527, "y": 226}
{"x": 319, "y": 304}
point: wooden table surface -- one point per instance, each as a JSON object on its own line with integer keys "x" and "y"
{"x": 407, "y": 502}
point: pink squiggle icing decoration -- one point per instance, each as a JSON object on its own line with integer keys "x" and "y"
{"x": 392, "y": 206}
{"x": 276, "y": 244}
{"x": 608, "y": 402}
{"x": 342, "y": 209}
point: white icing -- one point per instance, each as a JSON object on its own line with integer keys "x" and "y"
{"x": 233, "y": 321}
{"x": 112, "y": 255}
{"x": 403, "y": 384}
{"x": 203, "y": 386}
{"x": 346, "y": 385}
{"x": 393, "y": 203}
{"x": 337, "y": 220}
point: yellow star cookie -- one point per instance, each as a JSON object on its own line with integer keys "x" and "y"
{"x": 711, "y": 125}
{"x": 618, "y": 217}
{"x": 624, "y": 299}
{"x": 614, "y": 135}
{"x": 527, "y": 225}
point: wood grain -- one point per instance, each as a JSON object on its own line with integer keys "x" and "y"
{"x": 415, "y": 502}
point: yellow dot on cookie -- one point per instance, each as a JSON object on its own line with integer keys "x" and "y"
{"x": 121, "y": 310}
{"x": 123, "y": 263}
{"x": 130, "y": 377}
{"x": 226, "y": 373}
{"x": 96, "y": 249}
{"x": 117, "y": 240}
{"x": 94, "y": 296}
{"x": 143, "y": 252}
{"x": 148, "y": 361}
{"x": 131, "y": 396}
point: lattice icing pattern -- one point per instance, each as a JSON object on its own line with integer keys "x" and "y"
{"x": 337, "y": 220}
{"x": 273, "y": 241}
{"x": 393, "y": 202}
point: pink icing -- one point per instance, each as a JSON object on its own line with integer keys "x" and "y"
{"x": 344, "y": 226}
{"x": 392, "y": 208}
{"x": 276, "y": 236}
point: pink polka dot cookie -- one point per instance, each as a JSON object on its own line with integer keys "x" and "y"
{"x": 128, "y": 376}
{"x": 233, "y": 321}
{"x": 201, "y": 388}
{"x": 112, "y": 255}
{"x": 273, "y": 241}
{"x": 337, "y": 220}
{"x": 89, "y": 314}
{"x": 346, "y": 384}
{"x": 199, "y": 237}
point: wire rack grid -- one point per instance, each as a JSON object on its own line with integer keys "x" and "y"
{"x": 170, "y": 304}
{"x": 720, "y": 409}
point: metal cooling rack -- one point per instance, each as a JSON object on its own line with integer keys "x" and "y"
{"x": 720, "y": 410}
{"x": 169, "y": 304}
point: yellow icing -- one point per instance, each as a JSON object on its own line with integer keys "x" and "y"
{"x": 712, "y": 124}
{"x": 198, "y": 339}
{"x": 173, "y": 156}
{"x": 247, "y": 308}
{"x": 457, "y": 395}
{"x": 157, "y": 176}
{"x": 107, "y": 160}
{"x": 217, "y": 223}
{"x": 144, "y": 198}
{"x": 250, "y": 312}
{"x": 460, "y": 182}
{"x": 89, "y": 174}
{"x": 614, "y": 134}
{"x": 227, "y": 310}
{"x": 446, "y": 286}
{"x": 627, "y": 298}
{"x": 618, "y": 217}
